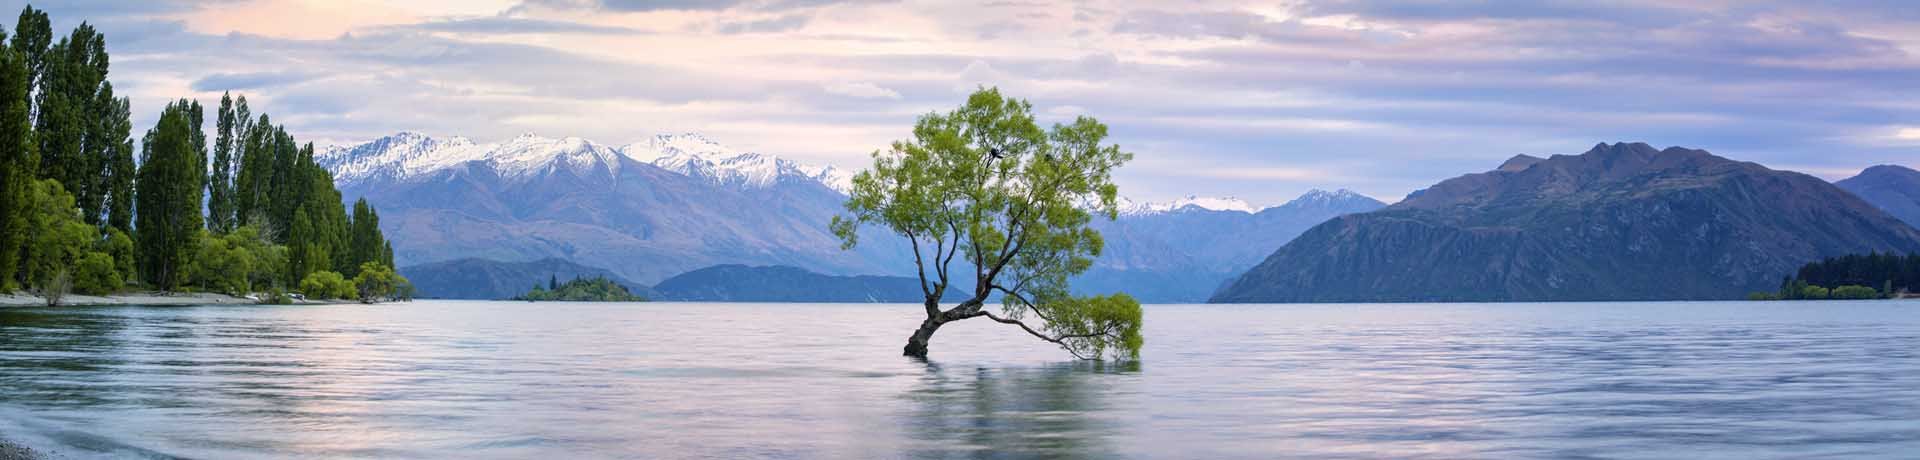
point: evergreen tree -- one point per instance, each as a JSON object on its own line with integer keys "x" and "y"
{"x": 18, "y": 161}
{"x": 116, "y": 135}
{"x": 365, "y": 244}
{"x": 32, "y": 34}
{"x": 220, "y": 183}
{"x": 301, "y": 252}
{"x": 172, "y": 179}
{"x": 75, "y": 144}
{"x": 255, "y": 175}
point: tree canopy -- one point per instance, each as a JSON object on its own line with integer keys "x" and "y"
{"x": 76, "y": 211}
{"x": 998, "y": 207}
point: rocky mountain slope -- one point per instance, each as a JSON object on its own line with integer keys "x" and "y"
{"x": 1619, "y": 222}
{"x": 1894, "y": 189}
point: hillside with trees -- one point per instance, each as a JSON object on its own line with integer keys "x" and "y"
{"x": 77, "y": 214}
{"x": 596, "y": 289}
{"x": 1858, "y": 276}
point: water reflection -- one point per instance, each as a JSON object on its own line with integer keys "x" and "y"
{"x": 39, "y": 351}
{"x": 1020, "y": 412}
{"x": 509, "y": 380}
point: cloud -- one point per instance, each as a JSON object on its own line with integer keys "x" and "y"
{"x": 862, "y": 90}
{"x": 781, "y": 23}
{"x": 508, "y": 25}
{"x": 249, "y": 81}
{"x": 1216, "y": 97}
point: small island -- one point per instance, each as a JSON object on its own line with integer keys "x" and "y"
{"x": 594, "y": 289}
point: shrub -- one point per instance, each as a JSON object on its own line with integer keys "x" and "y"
{"x": 323, "y": 285}
{"x": 1815, "y": 293}
{"x": 378, "y": 282}
{"x": 97, "y": 274}
{"x": 1763, "y": 296}
{"x": 1853, "y": 292}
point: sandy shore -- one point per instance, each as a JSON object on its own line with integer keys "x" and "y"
{"x": 140, "y": 298}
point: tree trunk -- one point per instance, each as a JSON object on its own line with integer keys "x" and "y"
{"x": 917, "y": 344}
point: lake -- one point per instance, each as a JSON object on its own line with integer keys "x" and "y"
{"x": 438, "y": 379}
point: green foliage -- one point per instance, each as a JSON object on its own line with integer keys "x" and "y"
{"x": 1757, "y": 296}
{"x": 595, "y": 289}
{"x": 378, "y": 282}
{"x": 171, "y": 182}
{"x": 96, "y": 275}
{"x": 82, "y": 128}
{"x": 1854, "y": 292}
{"x": 18, "y": 158}
{"x": 119, "y": 246}
{"x": 365, "y": 243}
{"x": 56, "y": 236}
{"x": 220, "y": 182}
{"x": 1013, "y": 202}
{"x": 237, "y": 263}
{"x": 1893, "y": 273}
{"x": 324, "y": 285}
{"x": 1814, "y": 293}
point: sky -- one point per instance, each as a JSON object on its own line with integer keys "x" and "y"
{"x": 1261, "y": 101}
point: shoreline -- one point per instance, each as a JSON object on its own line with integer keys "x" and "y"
{"x": 10, "y": 450}
{"x": 143, "y": 299}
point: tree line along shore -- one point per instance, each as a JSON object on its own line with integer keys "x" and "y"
{"x": 249, "y": 215}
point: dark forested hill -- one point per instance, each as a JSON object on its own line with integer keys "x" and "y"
{"x": 1619, "y": 222}
{"x": 491, "y": 280}
{"x": 741, "y": 283}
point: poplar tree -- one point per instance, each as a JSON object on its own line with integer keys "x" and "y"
{"x": 18, "y": 162}
{"x": 365, "y": 243}
{"x": 172, "y": 179}
{"x": 220, "y": 183}
{"x": 115, "y": 124}
{"x": 256, "y": 164}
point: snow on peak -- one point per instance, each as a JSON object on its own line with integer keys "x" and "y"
{"x": 1318, "y": 197}
{"x": 408, "y": 154}
{"x": 1129, "y": 207}
{"x": 699, "y": 157}
{"x": 399, "y": 155}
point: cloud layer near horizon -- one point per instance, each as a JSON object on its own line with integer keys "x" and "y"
{"x": 1262, "y": 101}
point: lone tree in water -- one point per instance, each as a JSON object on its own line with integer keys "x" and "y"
{"x": 985, "y": 186}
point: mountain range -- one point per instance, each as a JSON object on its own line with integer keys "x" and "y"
{"x": 671, "y": 204}
{"x": 1619, "y": 222}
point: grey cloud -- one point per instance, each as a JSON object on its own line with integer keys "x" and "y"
{"x": 689, "y": 5}
{"x": 778, "y": 24}
{"x": 509, "y": 25}
{"x": 249, "y": 80}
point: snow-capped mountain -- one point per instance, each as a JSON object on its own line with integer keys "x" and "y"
{"x": 1132, "y": 208}
{"x": 410, "y": 154}
{"x": 697, "y": 156}
{"x": 675, "y": 203}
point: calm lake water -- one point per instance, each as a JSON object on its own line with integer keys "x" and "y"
{"x": 667, "y": 380}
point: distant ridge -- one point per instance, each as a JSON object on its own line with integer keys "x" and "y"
{"x": 481, "y": 279}
{"x": 741, "y": 283}
{"x": 1894, "y": 189}
{"x": 1619, "y": 222}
